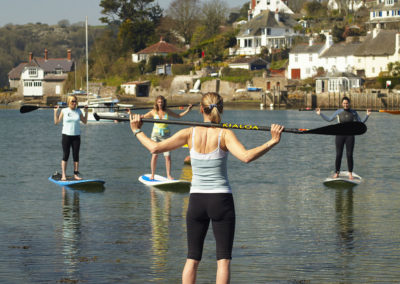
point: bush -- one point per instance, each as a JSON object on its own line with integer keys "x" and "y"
{"x": 181, "y": 69}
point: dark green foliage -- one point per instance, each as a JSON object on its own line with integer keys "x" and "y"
{"x": 181, "y": 69}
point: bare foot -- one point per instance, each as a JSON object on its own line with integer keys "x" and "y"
{"x": 169, "y": 177}
{"x": 336, "y": 175}
{"x": 77, "y": 177}
{"x": 64, "y": 179}
{"x": 350, "y": 176}
{"x": 151, "y": 177}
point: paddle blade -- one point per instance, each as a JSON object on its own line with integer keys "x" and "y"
{"x": 27, "y": 108}
{"x": 96, "y": 116}
{"x": 348, "y": 128}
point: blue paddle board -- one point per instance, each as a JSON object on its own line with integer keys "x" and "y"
{"x": 165, "y": 183}
{"x": 71, "y": 182}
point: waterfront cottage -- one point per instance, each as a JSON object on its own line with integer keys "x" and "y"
{"x": 41, "y": 76}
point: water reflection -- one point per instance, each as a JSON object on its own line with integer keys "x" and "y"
{"x": 160, "y": 219}
{"x": 344, "y": 218}
{"x": 71, "y": 229}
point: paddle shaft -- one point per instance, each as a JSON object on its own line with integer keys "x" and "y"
{"x": 29, "y": 108}
{"x": 333, "y": 109}
{"x": 351, "y": 128}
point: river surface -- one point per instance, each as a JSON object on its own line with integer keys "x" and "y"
{"x": 290, "y": 227}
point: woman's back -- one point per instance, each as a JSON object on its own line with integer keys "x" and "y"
{"x": 209, "y": 161}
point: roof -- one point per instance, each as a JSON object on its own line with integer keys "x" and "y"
{"x": 341, "y": 49}
{"x": 339, "y": 75}
{"x": 160, "y": 47}
{"x": 48, "y": 66}
{"x": 15, "y": 73}
{"x": 306, "y": 48}
{"x": 383, "y": 44}
{"x": 266, "y": 19}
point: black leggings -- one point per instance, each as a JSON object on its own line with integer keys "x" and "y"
{"x": 341, "y": 140}
{"x": 68, "y": 142}
{"x": 220, "y": 209}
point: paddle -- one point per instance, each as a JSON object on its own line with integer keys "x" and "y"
{"x": 313, "y": 109}
{"x": 348, "y": 128}
{"x": 29, "y": 108}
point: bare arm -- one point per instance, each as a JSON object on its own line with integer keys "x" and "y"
{"x": 183, "y": 113}
{"x": 239, "y": 151}
{"x": 84, "y": 118}
{"x": 176, "y": 141}
{"x": 57, "y": 117}
{"x": 149, "y": 114}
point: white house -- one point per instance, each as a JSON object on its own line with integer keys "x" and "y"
{"x": 41, "y": 76}
{"x": 384, "y": 12}
{"x": 267, "y": 29}
{"x": 257, "y": 7}
{"x": 161, "y": 48}
{"x": 366, "y": 58}
{"x": 379, "y": 48}
{"x": 304, "y": 59}
{"x": 338, "y": 82}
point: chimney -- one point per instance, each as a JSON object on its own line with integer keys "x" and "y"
{"x": 328, "y": 40}
{"x": 69, "y": 54}
{"x": 277, "y": 15}
{"x": 45, "y": 54}
{"x": 30, "y": 57}
{"x": 161, "y": 39}
{"x": 310, "y": 41}
{"x": 253, "y": 4}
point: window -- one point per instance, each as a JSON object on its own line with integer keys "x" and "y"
{"x": 310, "y": 58}
{"x": 296, "y": 58}
{"x": 59, "y": 71}
{"x": 308, "y": 70}
{"x": 373, "y": 70}
{"x": 32, "y": 72}
{"x": 268, "y": 31}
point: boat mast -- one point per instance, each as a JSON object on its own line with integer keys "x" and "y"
{"x": 87, "y": 60}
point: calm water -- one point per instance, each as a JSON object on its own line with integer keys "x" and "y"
{"x": 290, "y": 228}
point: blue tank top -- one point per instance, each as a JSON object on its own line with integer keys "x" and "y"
{"x": 209, "y": 170}
{"x": 71, "y": 121}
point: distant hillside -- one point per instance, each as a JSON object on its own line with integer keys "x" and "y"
{"x": 16, "y": 41}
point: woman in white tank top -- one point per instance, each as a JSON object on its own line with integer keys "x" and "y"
{"x": 210, "y": 194}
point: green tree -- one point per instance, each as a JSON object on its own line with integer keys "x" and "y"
{"x": 214, "y": 15}
{"x": 137, "y": 21}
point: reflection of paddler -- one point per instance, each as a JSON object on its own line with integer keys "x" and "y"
{"x": 160, "y": 232}
{"x": 161, "y": 130}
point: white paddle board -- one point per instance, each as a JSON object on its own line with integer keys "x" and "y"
{"x": 165, "y": 183}
{"x": 343, "y": 179}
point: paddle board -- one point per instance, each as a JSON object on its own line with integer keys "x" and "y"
{"x": 164, "y": 183}
{"x": 343, "y": 179}
{"x": 73, "y": 183}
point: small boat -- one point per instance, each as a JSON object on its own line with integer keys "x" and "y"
{"x": 106, "y": 107}
{"x": 253, "y": 89}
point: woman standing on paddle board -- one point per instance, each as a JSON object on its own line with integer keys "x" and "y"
{"x": 161, "y": 131}
{"x": 71, "y": 133}
{"x": 210, "y": 193}
{"x": 346, "y": 114}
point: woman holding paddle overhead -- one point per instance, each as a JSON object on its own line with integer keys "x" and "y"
{"x": 161, "y": 130}
{"x": 210, "y": 193}
{"x": 346, "y": 114}
{"x": 71, "y": 133}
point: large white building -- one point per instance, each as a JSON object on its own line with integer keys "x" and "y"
{"x": 365, "y": 58}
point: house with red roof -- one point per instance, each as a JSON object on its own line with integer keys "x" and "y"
{"x": 41, "y": 76}
{"x": 162, "y": 48}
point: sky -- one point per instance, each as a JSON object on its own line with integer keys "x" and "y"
{"x": 20, "y": 12}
